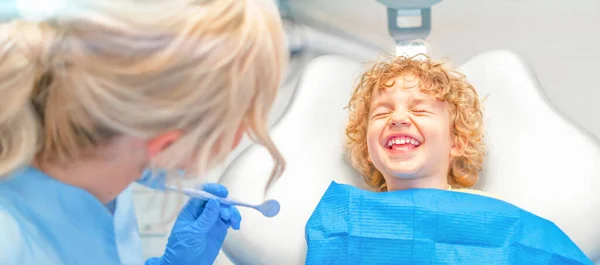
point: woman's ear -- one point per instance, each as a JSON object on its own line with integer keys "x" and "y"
{"x": 162, "y": 142}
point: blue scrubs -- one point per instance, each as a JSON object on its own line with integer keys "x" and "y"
{"x": 44, "y": 221}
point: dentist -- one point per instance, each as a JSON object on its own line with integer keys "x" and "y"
{"x": 108, "y": 90}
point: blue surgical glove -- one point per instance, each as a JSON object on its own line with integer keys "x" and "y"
{"x": 199, "y": 231}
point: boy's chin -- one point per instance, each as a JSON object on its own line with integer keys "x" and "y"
{"x": 406, "y": 169}
{"x": 405, "y": 176}
{"x": 405, "y": 173}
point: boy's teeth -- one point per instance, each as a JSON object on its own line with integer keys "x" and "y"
{"x": 403, "y": 141}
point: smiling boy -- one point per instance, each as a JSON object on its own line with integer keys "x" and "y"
{"x": 415, "y": 130}
{"x": 415, "y": 123}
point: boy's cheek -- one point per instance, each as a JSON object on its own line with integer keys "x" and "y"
{"x": 372, "y": 143}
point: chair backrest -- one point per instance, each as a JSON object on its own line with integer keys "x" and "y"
{"x": 537, "y": 159}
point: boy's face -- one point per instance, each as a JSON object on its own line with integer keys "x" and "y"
{"x": 408, "y": 135}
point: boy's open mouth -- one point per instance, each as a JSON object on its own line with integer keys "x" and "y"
{"x": 402, "y": 143}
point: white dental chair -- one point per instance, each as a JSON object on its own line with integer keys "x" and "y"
{"x": 537, "y": 159}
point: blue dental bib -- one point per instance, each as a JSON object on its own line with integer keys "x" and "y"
{"x": 428, "y": 226}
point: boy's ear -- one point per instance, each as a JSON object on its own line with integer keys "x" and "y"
{"x": 162, "y": 142}
{"x": 457, "y": 147}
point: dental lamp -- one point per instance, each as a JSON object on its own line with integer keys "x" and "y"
{"x": 397, "y": 12}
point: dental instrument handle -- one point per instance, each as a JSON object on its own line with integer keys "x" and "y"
{"x": 268, "y": 208}
{"x": 200, "y": 194}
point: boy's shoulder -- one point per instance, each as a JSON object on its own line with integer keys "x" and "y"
{"x": 473, "y": 191}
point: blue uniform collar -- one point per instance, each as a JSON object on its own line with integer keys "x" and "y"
{"x": 77, "y": 225}
{"x": 72, "y": 200}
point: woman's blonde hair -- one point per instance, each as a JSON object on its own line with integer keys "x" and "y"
{"x": 103, "y": 69}
{"x": 437, "y": 79}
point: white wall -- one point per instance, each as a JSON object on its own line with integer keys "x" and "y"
{"x": 559, "y": 38}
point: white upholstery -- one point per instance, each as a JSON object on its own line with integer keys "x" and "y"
{"x": 537, "y": 159}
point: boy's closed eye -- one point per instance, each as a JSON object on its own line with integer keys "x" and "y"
{"x": 380, "y": 115}
{"x": 421, "y": 111}
{"x": 421, "y": 107}
{"x": 380, "y": 112}
{"x": 384, "y": 112}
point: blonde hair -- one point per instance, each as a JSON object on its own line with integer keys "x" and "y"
{"x": 140, "y": 69}
{"x": 437, "y": 79}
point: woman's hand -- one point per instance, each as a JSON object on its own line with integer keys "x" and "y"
{"x": 199, "y": 231}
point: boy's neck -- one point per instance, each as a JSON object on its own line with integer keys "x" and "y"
{"x": 418, "y": 183}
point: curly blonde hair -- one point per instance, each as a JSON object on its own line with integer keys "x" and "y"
{"x": 439, "y": 80}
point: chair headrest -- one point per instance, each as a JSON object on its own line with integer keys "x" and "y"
{"x": 536, "y": 157}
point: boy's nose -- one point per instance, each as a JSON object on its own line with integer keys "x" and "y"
{"x": 399, "y": 120}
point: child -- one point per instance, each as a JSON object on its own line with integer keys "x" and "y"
{"x": 415, "y": 123}
{"x": 415, "y": 130}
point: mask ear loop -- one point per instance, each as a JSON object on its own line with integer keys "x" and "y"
{"x": 158, "y": 178}
{"x": 176, "y": 176}
{"x": 155, "y": 179}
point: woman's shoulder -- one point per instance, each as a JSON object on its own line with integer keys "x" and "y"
{"x": 21, "y": 242}
{"x": 11, "y": 238}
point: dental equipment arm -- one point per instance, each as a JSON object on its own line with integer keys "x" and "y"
{"x": 398, "y": 9}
